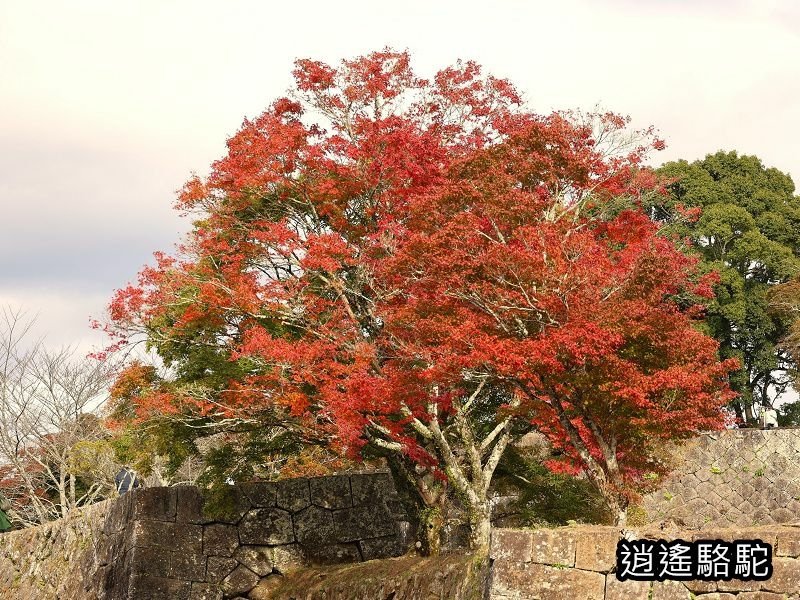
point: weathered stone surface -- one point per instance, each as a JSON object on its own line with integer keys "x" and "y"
{"x": 160, "y": 543}
{"x": 262, "y": 494}
{"x": 384, "y": 547}
{"x": 692, "y": 515}
{"x": 399, "y": 510}
{"x": 292, "y": 494}
{"x": 670, "y": 590}
{"x": 154, "y": 503}
{"x": 314, "y": 526}
{"x": 699, "y": 587}
{"x": 514, "y": 577}
{"x": 219, "y": 567}
{"x": 240, "y": 581}
{"x": 553, "y": 547}
{"x": 362, "y": 522}
{"x": 150, "y": 561}
{"x": 782, "y": 515}
{"x": 452, "y": 577}
{"x": 626, "y": 590}
{"x": 288, "y": 557}
{"x": 235, "y": 506}
{"x": 741, "y": 477}
{"x": 189, "y": 507}
{"x": 788, "y": 543}
{"x": 511, "y": 544}
{"x": 546, "y": 582}
{"x": 119, "y": 515}
{"x": 57, "y": 559}
{"x": 169, "y": 536}
{"x": 158, "y": 588}
{"x": 455, "y": 537}
{"x": 405, "y": 532}
{"x": 331, "y": 492}
{"x": 256, "y": 558}
{"x": 333, "y": 554}
{"x": 785, "y": 576}
{"x": 266, "y": 526}
{"x": 736, "y": 585}
{"x": 205, "y": 591}
{"x": 371, "y": 487}
{"x": 726, "y": 534}
{"x": 220, "y": 539}
{"x": 188, "y": 566}
{"x": 596, "y": 549}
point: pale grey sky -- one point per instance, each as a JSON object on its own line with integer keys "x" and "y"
{"x": 107, "y": 107}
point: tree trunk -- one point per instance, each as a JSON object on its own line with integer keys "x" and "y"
{"x": 748, "y": 412}
{"x": 616, "y": 507}
{"x": 616, "y": 504}
{"x": 737, "y": 408}
{"x": 62, "y": 493}
{"x": 480, "y": 528}
{"x": 430, "y": 530}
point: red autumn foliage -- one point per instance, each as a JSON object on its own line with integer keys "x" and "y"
{"x": 380, "y": 246}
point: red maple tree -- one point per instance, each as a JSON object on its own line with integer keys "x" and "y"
{"x": 429, "y": 269}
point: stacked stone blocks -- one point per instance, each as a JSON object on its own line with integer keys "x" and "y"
{"x": 178, "y": 550}
{"x": 734, "y": 478}
{"x": 167, "y": 543}
{"x": 579, "y": 562}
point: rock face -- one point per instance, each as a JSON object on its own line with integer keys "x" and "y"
{"x": 164, "y": 543}
{"x": 69, "y": 558}
{"x": 734, "y": 478}
{"x": 580, "y": 562}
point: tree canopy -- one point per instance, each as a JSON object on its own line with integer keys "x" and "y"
{"x": 427, "y": 269}
{"x": 748, "y": 230}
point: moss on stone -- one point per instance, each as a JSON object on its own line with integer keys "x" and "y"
{"x": 636, "y": 516}
{"x": 457, "y": 576}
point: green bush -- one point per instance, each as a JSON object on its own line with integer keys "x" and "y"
{"x": 544, "y": 498}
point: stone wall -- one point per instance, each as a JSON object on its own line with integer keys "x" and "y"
{"x": 578, "y": 562}
{"x": 167, "y": 543}
{"x": 739, "y": 477}
{"x": 67, "y": 558}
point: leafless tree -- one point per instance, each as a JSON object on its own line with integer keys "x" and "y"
{"x": 53, "y": 450}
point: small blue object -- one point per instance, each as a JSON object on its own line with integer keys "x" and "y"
{"x": 126, "y": 479}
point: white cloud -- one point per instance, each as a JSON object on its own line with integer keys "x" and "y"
{"x": 61, "y": 317}
{"x": 108, "y": 106}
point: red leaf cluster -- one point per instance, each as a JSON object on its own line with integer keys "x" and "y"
{"x": 383, "y": 239}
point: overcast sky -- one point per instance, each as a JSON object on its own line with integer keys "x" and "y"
{"x": 107, "y": 107}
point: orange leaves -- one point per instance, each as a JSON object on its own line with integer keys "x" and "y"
{"x": 193, "y": 192}
{"x": 382, "y": 235}
{"x": 385, "y": 74}
{"x": 326, "y": 253}
{"x": 526, "y": 287}
{"x": 127, "y": 300}
{"x": 133, "y": 381}
{"x": 313, "y": 75}
{"x": 263, "y": 153}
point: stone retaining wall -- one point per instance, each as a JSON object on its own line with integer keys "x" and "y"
{"x": 579, "y": 562}
{"x": 165, "y": 543}
{"x": 734, "y": 478}
{"x": 62, "y": 559}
